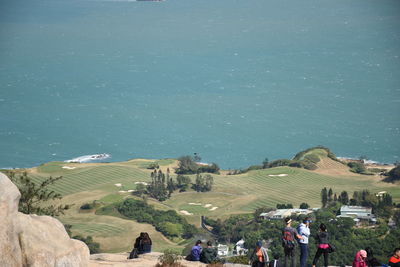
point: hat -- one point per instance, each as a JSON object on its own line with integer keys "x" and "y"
{"x": 363, "y": 253}
{"x": 259, "y": 244}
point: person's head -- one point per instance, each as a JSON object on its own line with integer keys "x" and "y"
{"x": 198, "y": 242}
{"x": 363, "y": 254}
{"x": 209, "y": 243}
{"x": 307, "y": 221}
{"x": 396, "y": 252}
{"x": 146, "y": 235}
{"x": 259, "y": 244}
{"x": 142, "y": 234}
{"x": 288, "y": 221}
{"x": 322, "y": 227}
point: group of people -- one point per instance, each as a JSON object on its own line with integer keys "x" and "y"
{"x": 293, "y": 238}
{"x": 207, "y": 254}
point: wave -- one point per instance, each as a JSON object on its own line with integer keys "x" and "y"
{"x": 89, "y": 158}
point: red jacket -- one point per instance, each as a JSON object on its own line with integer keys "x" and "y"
{"x": 359, "y": 261}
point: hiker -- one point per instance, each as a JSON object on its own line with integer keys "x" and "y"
{"x": 289, "y": 235}
{"x": 371, "y": 260}
{"x": 259, "y": 257}
{"x": 195, "y": 252}
{"x": 394, "y": 261}
{"x": 304, "y": 231}
{"x": 208, "y": 254}
{"x": 275, "y": 262}
{"x": 145, "y": 244}
{"x": 359, "y": 259}
{"x": 322, "y": 240}
{"x": 136, "y": 247}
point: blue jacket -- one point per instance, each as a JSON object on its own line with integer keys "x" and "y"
{"x": 195, "y": 252}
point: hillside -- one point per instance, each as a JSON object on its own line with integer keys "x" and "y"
{"x": 231, "y": 194}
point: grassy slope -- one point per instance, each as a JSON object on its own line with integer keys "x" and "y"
{"x": 231, "y": 194}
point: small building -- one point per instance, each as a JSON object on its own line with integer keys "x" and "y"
{"x": 358, "y": 213}
{"x": 280, "y": 214}
{"x": 223, "y": 250}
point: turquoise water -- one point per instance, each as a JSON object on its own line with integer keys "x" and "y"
{"x": 235, "y": 81}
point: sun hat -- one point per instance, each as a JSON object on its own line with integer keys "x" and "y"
{"x": 363, "y": 253}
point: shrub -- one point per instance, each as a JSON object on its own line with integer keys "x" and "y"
{"x": 87, "y": 206}
{"x": 279, "y": 162}
{"x": 169, "y": 259}
{"x": 153, "y": 166}
{"x": 313, "y": 158}
{"x": 94, "y": 247}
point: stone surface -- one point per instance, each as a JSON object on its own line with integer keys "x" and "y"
{"x": 34, "y": 241}
{"x": 145, "y": 260}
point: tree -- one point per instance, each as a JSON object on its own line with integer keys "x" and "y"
{"x": 94, "y": 247}
{"x": 344, "y": 198}
{"x": 265, "y": 163}
{"x": 35, "y": 195}
{"x": 324, "y": 197}
{"x": 394, "y": 175}
{"x": 209, "y": 180}
{"x": 330, "y": 195}
{"x": 187, "y": 165}
{"x": 304, "y": 205}
{"x": 140, "y": 189}
{"x": 183, "y": 182}
{"x": 196, "y": 157}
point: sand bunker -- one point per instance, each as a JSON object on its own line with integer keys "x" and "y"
{"x": 119, "y": 185}
{"x": 184, "y": 212}
{"x": 207, "y": 205}
{"x": 143, "y": 183}
{"x": 68, "y": 167}
{"x": 213, "y": 208}
{"x": 196, "y": 204}
{"x": 131, "y": 190}
{"x": 279, "y": 175}
{"x": 122, "y": 191}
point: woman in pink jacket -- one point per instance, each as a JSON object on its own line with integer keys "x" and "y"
{"x": 359, "y": 259}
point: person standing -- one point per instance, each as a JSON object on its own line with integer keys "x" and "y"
{"x": 304, "y": 231}
{"x": 322, "y": 240}
{"x": 289, "y": 235}
{"x": 259, "y": 257}
{"x": 360, "y": 259}
{"x": 394, "y": 261}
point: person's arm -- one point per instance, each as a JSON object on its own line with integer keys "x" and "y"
{"x": 297, "y": 234}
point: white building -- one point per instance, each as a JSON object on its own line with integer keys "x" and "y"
{"x": 280, "y": 214}
{"x": 239, "y": 248}
{"x": 358, "y": 213}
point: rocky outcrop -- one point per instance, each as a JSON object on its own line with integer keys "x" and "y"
{"x": 34, "y": 241}
{"x": 144, "y": 260}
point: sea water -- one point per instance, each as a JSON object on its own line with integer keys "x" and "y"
{"x": 233, "y": 80}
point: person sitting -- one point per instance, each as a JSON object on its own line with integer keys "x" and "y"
{"x": 195, "y": 252}
{"x": 394, "y": 261}
{"x": 145, "y": 244}
{"x": 208, "y": 254}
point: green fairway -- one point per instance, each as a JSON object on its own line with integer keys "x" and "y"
{"x": 231, "y": 194}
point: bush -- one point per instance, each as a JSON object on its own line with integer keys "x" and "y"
{"x": 87, "y": 206}
{"x": 94, "y": 247}
{"x": 153, "y": 166}
{"x": 169, "y": 259}
{"x": 279, "y": 162}
{"x": 312, "y": 157}
{"x": 238, "y": 259}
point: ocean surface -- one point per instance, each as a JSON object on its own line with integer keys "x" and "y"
{"x": 233, "y": 80}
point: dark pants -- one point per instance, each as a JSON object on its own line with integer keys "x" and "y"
{"x": 290, "y": 254}
{"x": 258, "y": 264}
{"x": 303, "y": 254}
{"x": 321, "y": 251}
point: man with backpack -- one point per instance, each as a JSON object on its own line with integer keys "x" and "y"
{"x": 289, "y": 235}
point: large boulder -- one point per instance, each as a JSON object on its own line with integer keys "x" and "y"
{"x": 34, "y": 241}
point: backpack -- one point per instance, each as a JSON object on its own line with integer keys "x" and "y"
{"x": 133, "y": 254}
{"x": 288, "y": 239}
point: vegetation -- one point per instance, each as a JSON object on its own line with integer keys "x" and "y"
{"x": 35, "y": 195}
{"x": 169, "y": 259}
{"x": 203, "y": 183}
{"x": 358, "y": 167}
{"x": 393, "y": 175}
{"x": 94, "y": 247}
{"x": 188, "y": 165}
{"x": 284, "y": 206}
{"x": 346, "y": 238}
{"x": 167, "y": 222}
